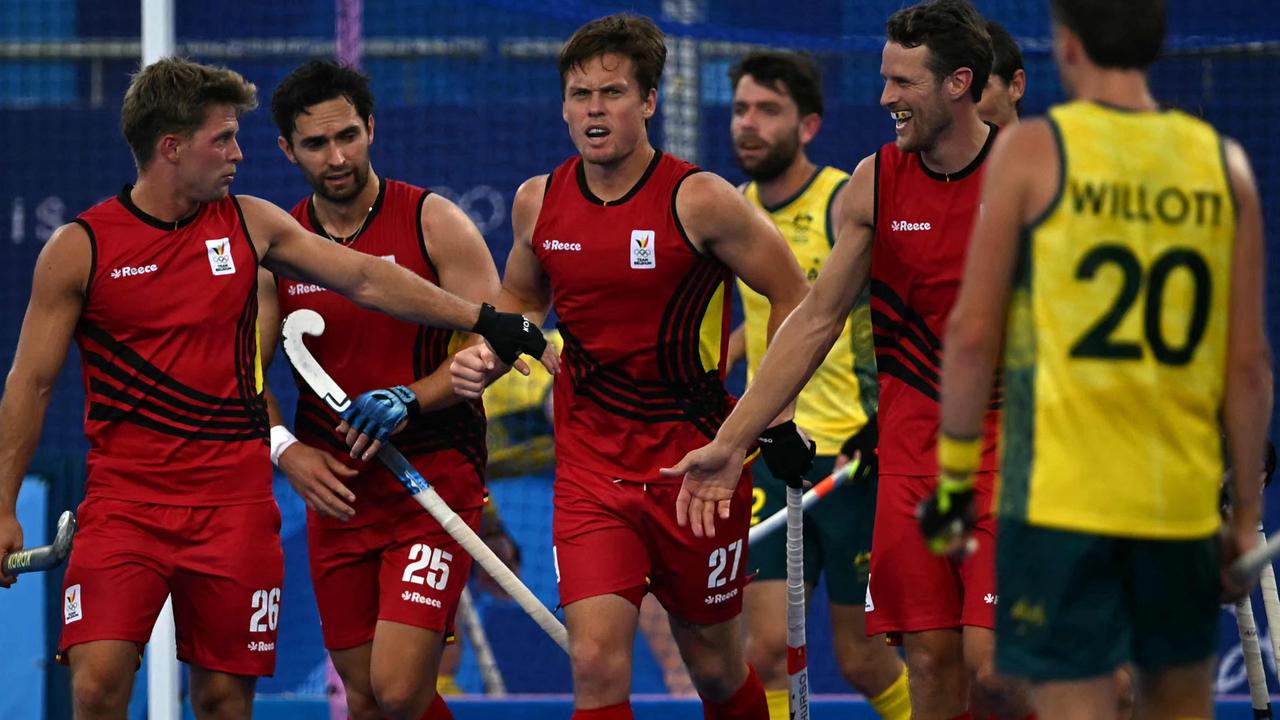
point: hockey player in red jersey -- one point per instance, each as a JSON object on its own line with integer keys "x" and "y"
{"x": 912, "y": 204}
{"x": 634, "y": 250}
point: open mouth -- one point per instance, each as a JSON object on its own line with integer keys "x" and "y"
{"x": 900, "y": 118}
{"x": 595, "y": 132}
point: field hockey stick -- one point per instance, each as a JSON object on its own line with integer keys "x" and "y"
{"x": 1259, "y": 696}
{"x": 308, "y": 322}
{"x": 1270, "y": 602}
{"x": 44, "y": 557}
{"x": 770, "y": 524}
{"x": 797, "y": 654}
{"x": 473, "y": 629}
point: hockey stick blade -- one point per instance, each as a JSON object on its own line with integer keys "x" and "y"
{"x": 45, "y": 557}
{"x": 297, "y": 325}
{"x": 308, "y": 322}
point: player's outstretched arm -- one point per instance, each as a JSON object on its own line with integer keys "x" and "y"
{"x": 286, "y": 248}
{"x": 798, "y": 348}
{"x": 525, "y": 289}
{"x": 466, "y": 269}
{"x": 1249, "y": 390}
{"x": 314, "y": 474}
{"x": 57, "y": 297}
{"x": 1020, "y": 180}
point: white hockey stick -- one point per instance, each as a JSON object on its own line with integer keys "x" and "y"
{"x": 814, "y": 494}
{"x": 473, "y": 629}
{"x": 45, "y": 557}
{"x": 300, "y": 323}
{"x": 1248, "y": 565}
{"x": 1259, "y": 696}
{"x": 797, "y": 653}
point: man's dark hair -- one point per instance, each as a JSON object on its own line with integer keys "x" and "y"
{"x": 632, "y": 36}
{"x": 955, "y": 34}
{"x": 797, "y": 73}
{"x": 315, "y": 82}
{"x": 1124, "y": 35}
{"x": 1006, "y": 55}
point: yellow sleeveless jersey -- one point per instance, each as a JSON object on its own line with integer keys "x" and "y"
{"x": 842, "y": 393}
{"x": 1117, "y": 331}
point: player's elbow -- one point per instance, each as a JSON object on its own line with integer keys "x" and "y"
{"x": 1249, "y": 374}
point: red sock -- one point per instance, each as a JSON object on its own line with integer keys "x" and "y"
{"x": 748, "y": 703}
{"x": 621, "y": 711}
{"x": 437, "y": 710}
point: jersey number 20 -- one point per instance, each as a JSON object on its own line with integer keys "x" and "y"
{"x": 1098, "y": 341}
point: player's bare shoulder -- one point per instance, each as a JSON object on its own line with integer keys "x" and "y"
{"x": 527, "y": 205}
{"x": 67, "y": 257}
{"x": 1025, "y": 167}
{"x": 711, "y": 209}
{"x": 854, "y": 205}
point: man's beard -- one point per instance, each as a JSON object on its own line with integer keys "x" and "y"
{"x": 775, "y": 162}
{"x": 359, "y": 179}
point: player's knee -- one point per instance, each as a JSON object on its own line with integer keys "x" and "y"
{"x": 716, "y": 677}
{"x": 860, "y": 662}
{"x": 932, "y": 669}
{"x": 597, "y": 666}
{"x": 403, "y": 698}
{"x": 220, "y": 701}
{"x": 99, "y": 694}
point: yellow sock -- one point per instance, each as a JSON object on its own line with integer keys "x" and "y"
{"x": 895, "y": 702}
{"x": 447, "y": 685}
{"x": 778, "y": 701}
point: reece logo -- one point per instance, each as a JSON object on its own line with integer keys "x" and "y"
{"x": 127, "y": 271}
{"x": 905, "y": 226}
{"x": 553, "y": 245}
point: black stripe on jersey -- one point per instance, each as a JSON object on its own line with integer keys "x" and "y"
{"x": 675, "y": 214}
{"x": 893, "y": 367}
{"x": 122, "y": 353}
{"x": 616, "y": 392}
{"x": 875, "y": 193}
{"x": 831, "y": 205}
{"x": 246, "y": 356}
{"x": 93, "y": 255}
{"x": 314, "y": 422}
{"x": 231, "y": 408}
{"x": 679, "y": 337}
{"x": 422, "y": 236}
{"x": 140, "y": 403}
{"x": 890, "y": 333}
{"x": 244, "y": 227}
{"x": 107, "y": 413}
{"x": 922, "y": 337}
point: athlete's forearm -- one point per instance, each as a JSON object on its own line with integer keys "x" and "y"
{"x": 798, "y": 348}
{"x": 510, "y": 300}
{"x": 737, "y": 346}
{"x": 401, "y": 294}
{"x": 22, "y": 411}
{"x": 968, "y": 372}
{"x": 779, "y": 310}
{"x": 1246, "y": 412}
{"x": 435, "y": 390}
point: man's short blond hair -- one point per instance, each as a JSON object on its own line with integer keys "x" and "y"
{"x": 173, "y": 95}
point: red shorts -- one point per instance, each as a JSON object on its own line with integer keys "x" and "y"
{"x": 620, "y": 537}
{"x": 406, "y": 569}
{"x": 910, "y": 588}
{"x": 222, "y": 565}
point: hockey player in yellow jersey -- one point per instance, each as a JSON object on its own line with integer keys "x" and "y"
{"x": 777, "y": 110}
{"x": 1120, "y": 249}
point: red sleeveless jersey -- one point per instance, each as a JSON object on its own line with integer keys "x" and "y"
{"x": 923, "y": 220}
{"x": 366, "y": 350}
{"x": 633, "y": 297}
{"x": 168, "y": 340}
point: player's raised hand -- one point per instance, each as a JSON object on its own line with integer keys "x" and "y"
{"x": 711, "y": 474}
{"x": 317, "y": 478}
{"x": 375, "y": 416}
{"x": 473, "y": 368}
{"x": 10, "y": 541}
{"x": 511, "y": 335}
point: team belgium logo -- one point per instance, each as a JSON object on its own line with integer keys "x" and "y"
{"x": 643, "y": 253}
{"x": 220, "y": 260}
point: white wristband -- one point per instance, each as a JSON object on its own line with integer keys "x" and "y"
{"x": 281, "y": 439}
